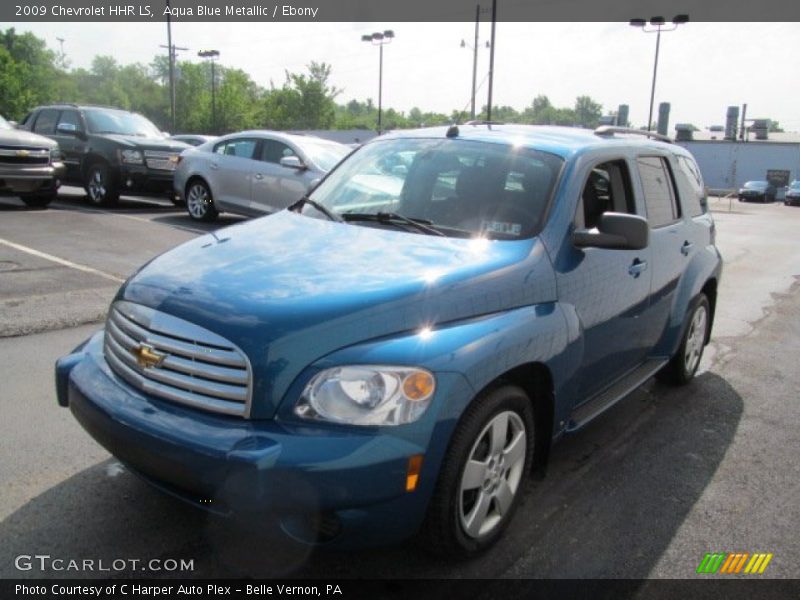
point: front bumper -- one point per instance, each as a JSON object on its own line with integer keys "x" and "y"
{"x": 352, "y": 477}
{"x": 31, "y": 179}
{"x": 142, "y": 179}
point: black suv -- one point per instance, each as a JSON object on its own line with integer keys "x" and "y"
{"x": 108, "y": 150}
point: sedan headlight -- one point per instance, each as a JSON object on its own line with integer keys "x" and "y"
{"x": 131, "y": 157}
{"x": 367, "y": 395}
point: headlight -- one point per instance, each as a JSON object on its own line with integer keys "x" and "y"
{"x": 55, "y": 154}
{"x": 132, "y": 157}
{"x": 367, "y": 395}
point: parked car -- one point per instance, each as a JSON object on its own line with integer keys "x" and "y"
{"x": 761, "y": 191}
{"x": 252, "y": 173}
{"x": 792, "y": 197}
{"x": 192, "y": 139}
{"x": 397, "y": 351}
{"x": 30, "y": 165}
{"x": 107, "y": 150}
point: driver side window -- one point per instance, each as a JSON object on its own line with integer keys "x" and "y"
{"x": 607, "y": 189}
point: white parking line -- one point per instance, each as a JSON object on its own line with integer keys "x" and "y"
{"x": 61, "y": 261}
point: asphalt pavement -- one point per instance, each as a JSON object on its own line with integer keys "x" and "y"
{"x": 666, "y": 476}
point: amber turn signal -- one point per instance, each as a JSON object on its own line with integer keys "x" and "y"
{"x": 413, "y": 471}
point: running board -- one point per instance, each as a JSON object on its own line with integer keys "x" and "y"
{"x": 609, "y": 397}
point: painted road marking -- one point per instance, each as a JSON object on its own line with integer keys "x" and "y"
{"x": 61, "y": 261}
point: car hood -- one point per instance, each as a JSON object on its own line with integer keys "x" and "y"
{"x": 18, "y": 137}
{"x": 289, "y": 289}
{"x": 141, "y": 143}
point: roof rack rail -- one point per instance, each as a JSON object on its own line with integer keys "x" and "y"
{"x": 607, "y": 130}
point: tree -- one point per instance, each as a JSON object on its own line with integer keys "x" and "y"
{"x": 28, "y": 75}
{"x": 587, "y": 112}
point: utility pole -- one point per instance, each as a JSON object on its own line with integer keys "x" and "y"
{"x": 171, "y": 48}
{"x": 491, "y": 61}
{"x": 475, "y": 59}
{"x": 62, "y": 58}
{"x": 212, "y": 55}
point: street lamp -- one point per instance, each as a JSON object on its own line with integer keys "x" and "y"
{"x": 474, "y": 48}
{"x": 379, "y": 39}
{"x": 212, "y": 55}
{"x": 657, "y": 25}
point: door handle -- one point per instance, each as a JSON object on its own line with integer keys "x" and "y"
{"x": 259, "y": 176}
{"x": 637, "y": 268}
{"x": 214, "y": 166}
{"x": 687, "y": 245}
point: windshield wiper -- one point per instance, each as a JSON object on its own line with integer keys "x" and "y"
{"x": 422, "y": 225}
{"x": 320, "y": 207}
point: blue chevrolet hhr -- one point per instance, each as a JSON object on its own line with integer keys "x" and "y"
{"x": 395, "y": 352}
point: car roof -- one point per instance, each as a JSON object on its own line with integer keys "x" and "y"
{"x": 563, "y": 141}
{"x": 295, "y": 138}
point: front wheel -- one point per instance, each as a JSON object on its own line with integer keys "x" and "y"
{"x": 481, "y": 479}
{"x": 101, "y": 186}
{"x": 199, "y": 202}
{"x": 682, "y": 367}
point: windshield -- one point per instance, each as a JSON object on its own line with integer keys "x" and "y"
{"x": 325, "y": 156}
{"x": 462, "y": 188}
{"x": 121, "y": 122}
{"x": 5, "y": 124}
{"x": 795, "y": 185}
{"x": 755, "y": 185}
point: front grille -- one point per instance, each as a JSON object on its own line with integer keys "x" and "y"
{"x": 163, "y": 161}
{"x": 196, "y": 367}
{"x": 24, "y": 155}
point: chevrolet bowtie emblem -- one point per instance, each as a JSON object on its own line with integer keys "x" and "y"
{"x": 23, "y": 153}
{"x": 147, "y": 356}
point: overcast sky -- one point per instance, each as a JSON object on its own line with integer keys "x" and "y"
{"x": 703, "y": 67}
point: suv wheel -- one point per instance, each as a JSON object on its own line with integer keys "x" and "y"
{"x": 683, "y": 365}
{"x": 101, "y": 186}
{"x": 481, "y": 478}
{"x": 199, "y": 202}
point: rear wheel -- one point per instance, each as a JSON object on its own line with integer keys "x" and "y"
{"x": 101, "y": 185}
{"x": 682, "y": 367}
{"x": 199, "y": 202}
{"x": 481, "y": 478}
{"x": 39, "y": 200}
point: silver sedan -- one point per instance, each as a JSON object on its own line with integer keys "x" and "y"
{"x": 252, "y": 173}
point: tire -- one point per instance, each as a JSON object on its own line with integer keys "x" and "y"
{"x": 482, "y": 475}
{"x": 39, "y": 200}
{"x": 101, "y": 185}
{"x": 681, "y": 368}
{"x": 199, "y": 202}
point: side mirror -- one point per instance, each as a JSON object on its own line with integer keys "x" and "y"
{"x": 292, "y": 162}
{"x": 67, "y": 129}
{"x": 616, "y": 231}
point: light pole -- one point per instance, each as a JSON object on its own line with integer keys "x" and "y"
{"x": 212, "y": 55}
{"x": 379, "y": 39}
{"x": 657, "y": 25}
{"x": 474, "y": 48}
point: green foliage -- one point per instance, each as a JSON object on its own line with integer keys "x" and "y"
{"x": 31, "y": 74}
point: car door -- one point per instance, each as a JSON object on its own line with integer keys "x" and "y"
{"x": 230, "y": 173}
{"x": 70, "y": 134}
{"x": 609, "y": 289}
{"x": 671, "y": 239}
{"x": 274, "y": 186}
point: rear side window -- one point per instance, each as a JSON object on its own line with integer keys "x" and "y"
{"x": 659, "y": 195}
{"x": 690, "y": 182}
{"x": 46, "y": 122}
{"x": 243, "y": 148}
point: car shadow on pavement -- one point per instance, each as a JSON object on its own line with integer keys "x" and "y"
{"x": 614, "y": 497}
{"x": 184, "y": 221}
